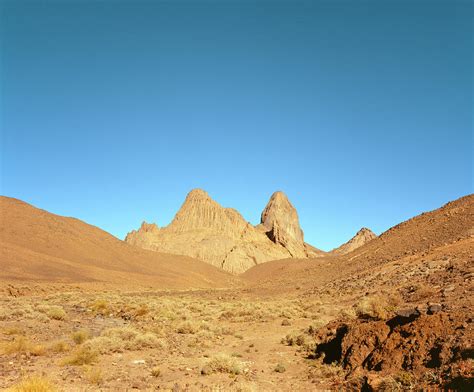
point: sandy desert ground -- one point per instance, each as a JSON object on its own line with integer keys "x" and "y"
{"x": 82, "y": 311}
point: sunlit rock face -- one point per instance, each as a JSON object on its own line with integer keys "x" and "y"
{"x": 203, "y": 229}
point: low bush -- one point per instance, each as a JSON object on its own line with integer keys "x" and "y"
{"x": 33, "y": 384}
{"x": 222, "y": 363}
{"x": 23, "y": 346}
{"x": 82, "y": 356}
{"x": 80, "y": 336}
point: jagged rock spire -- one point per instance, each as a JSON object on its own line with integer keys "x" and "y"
{"x": 281, "y": 222}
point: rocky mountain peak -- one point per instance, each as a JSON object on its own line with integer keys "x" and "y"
{"x": 200, "y": 212}
{"x": 197, "y": 195}
{"x": 281, "y": 222}
{"x": 149, "y": 227}
{"x": 365, "y": 233}
{"x": 363, "y": 236}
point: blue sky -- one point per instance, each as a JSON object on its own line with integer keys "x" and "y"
{"x": 361, "y": 111}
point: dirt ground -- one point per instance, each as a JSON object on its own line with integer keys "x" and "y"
{"x": 201, "y": 340}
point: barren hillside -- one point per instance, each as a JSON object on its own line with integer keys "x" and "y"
{"x": 446, "y": 225}
{"x": 40, "y": 246}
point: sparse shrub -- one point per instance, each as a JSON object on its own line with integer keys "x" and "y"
{"x": 223, "y": 330}
{"x": 406, "y": 379}
{"x": 222, "y": 363}
{"x": 280, "y": 368}
{"x": 348, "y": 314}
{"x": 100, "y": 306}
{"x": 374, "y": 307}
{"x": 146, "y": 340}
{"x": 389, "y": 384}
{"x": 82, "y": 356}
{"x": 156, "y": 372}
{"x": 104, "y": 344}
{"x": 33, "y": 384}
{"x": 187, "y": 328}
{"x": 4, "y": 314}
{"x": 59, "y": 347}
{"x": 120, "y": 339}
{"x": 22, "y": 345}
{"x": 332, "y": 371}
{"x": 80, "y": 336}
{"x": 314, "y": 328}
{"x": 125, "y": 333}
{"x": 13, "y": 331}
{"x": 292, "y": 340}
{"x": 93, "y": 375}
{"x": 56, "y": 313}
{"x": 141, "y": 310}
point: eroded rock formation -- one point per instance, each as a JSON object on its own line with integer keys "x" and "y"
{"x": 204, "y": 229}
{"x": 281, "y": 222}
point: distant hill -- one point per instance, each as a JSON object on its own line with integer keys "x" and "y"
{"x": 40, "y": 246}
{"x": 362, "y": 237}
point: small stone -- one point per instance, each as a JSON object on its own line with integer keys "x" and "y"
{"x": 408, "y": 312}
{"x": 434, "y": 308}
{"x": 139, "y": 362}
{"x": 206, "y": 370}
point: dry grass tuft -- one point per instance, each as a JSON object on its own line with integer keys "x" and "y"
{"x": 156, "y": 371}
{"x": 59, "y": 347}
{"x": 187, "y": 328}
{"x": 23, "y": 345}
{"x": 56, "y": 313}
{"x": 93, "y": 375}
{"x": 222, "y": 363}
{"x": 33, "y": 384}
{"x": 121, "y": 339}
{"x": 100, "y": 306}
{"x": 280, "y": 368}
{"x": 80, "y": 336}
{"x": 13, "y": 331}
{"x": 374, "y": 307}
{"x": 82, "y": 356}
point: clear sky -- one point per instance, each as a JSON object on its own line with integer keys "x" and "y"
{"x": 361, "y": 111}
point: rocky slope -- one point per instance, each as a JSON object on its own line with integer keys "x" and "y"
{"x": 407, "y": 320}
{"x": 362, "y": 237}
{"x": 419, "y": 235}
{"x": 204, "y": 229}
